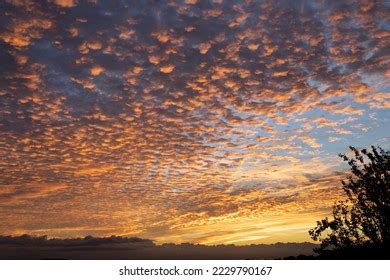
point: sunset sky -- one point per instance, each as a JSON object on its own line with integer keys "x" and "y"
{"x": 210, "y": 122}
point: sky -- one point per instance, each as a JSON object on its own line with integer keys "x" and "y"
{"x": 212, "y": 122}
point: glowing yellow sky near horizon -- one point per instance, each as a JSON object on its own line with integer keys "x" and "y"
{"x": 207, "y": 122}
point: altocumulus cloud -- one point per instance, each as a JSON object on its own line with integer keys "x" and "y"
{"x": 175, "y": 117}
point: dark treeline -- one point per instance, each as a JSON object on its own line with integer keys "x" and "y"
{"x": 353, "y": 253}
{"x": 118, "y": 247}
{"x": 29, "y": 240}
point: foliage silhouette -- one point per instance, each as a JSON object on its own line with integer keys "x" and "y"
{"x": 362, "y": 221}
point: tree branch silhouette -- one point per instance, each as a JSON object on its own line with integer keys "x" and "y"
{"x": 363, "y": 219}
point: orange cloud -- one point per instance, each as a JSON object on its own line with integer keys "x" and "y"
{"x": 226, "y": 108}
{"x": 204, "y": 47}
{"x": 66, "y": 3}
{"x": 167, "y": 68}
{"x": 94, "y": 45}
{"x": 96, "y": 70}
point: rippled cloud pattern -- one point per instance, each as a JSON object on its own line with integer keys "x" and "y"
{"x": 185, "y": 121}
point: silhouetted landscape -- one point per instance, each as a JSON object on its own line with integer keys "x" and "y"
{"x": 116, "y": 247}
{"x": 134, "y": 248}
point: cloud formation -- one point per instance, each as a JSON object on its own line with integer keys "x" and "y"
{"x": 180, "y": 118}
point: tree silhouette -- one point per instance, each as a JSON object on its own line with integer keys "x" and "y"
{"x": 363, "y": 219}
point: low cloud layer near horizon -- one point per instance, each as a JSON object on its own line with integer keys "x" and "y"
{"x": 185, "y": 121}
